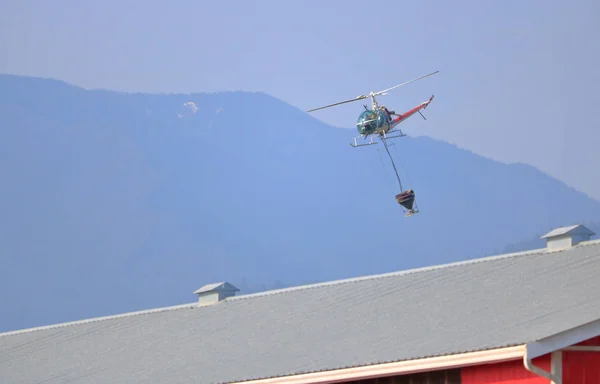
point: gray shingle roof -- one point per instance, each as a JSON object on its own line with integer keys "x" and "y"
{"x": 475, "y": 305}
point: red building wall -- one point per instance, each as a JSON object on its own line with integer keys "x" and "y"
{"x": 578, "y": 367}
{"x": 511, "y": 372}
{"x": 582, "y": 367}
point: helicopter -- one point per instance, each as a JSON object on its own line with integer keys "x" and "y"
{"x": 378, "y": 121}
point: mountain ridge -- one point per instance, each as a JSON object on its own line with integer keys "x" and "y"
{"x": 142, "y": 199}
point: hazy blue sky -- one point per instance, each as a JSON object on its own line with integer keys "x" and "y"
{"x": 517, "y": 82}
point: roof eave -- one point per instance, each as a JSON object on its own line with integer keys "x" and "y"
{"x": 563, "y": 339}
{"x": 526, "y": 352}
{"x": 400, "y": 368}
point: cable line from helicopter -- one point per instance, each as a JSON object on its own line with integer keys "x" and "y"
{"x": 383, "y": 140}
{"x": 399, "y": 159}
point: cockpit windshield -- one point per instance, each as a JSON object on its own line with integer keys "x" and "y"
{"x": 370, "y": 121}
{"x": 367, "y": 121}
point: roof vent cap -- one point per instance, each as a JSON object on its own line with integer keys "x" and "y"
{"x": 213, "y": 293}
{"x": 566, "y": 237}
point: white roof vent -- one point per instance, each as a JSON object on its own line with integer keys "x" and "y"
{"x": 212, "y": 293}
{"x": 566, "y": 237}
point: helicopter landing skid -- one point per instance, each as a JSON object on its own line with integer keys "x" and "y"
{"x": 355, "y": 144}
{"x": 396, "y": 135}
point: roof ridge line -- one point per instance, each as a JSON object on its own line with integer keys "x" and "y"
{"x": 397, "y": 273}
{"x": 97, "y": 319}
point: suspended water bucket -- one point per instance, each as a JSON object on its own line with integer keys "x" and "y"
{"x": 407, "y": 200}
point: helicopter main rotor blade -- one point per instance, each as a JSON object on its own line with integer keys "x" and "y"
{"x": 361, "y": 97}
{"x": 399, "y": 85}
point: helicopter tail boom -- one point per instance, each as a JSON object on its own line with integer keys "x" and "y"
{"x": 400, "y": 118}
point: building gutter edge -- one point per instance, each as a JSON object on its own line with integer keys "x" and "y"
{"x": 400, "y": 368}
